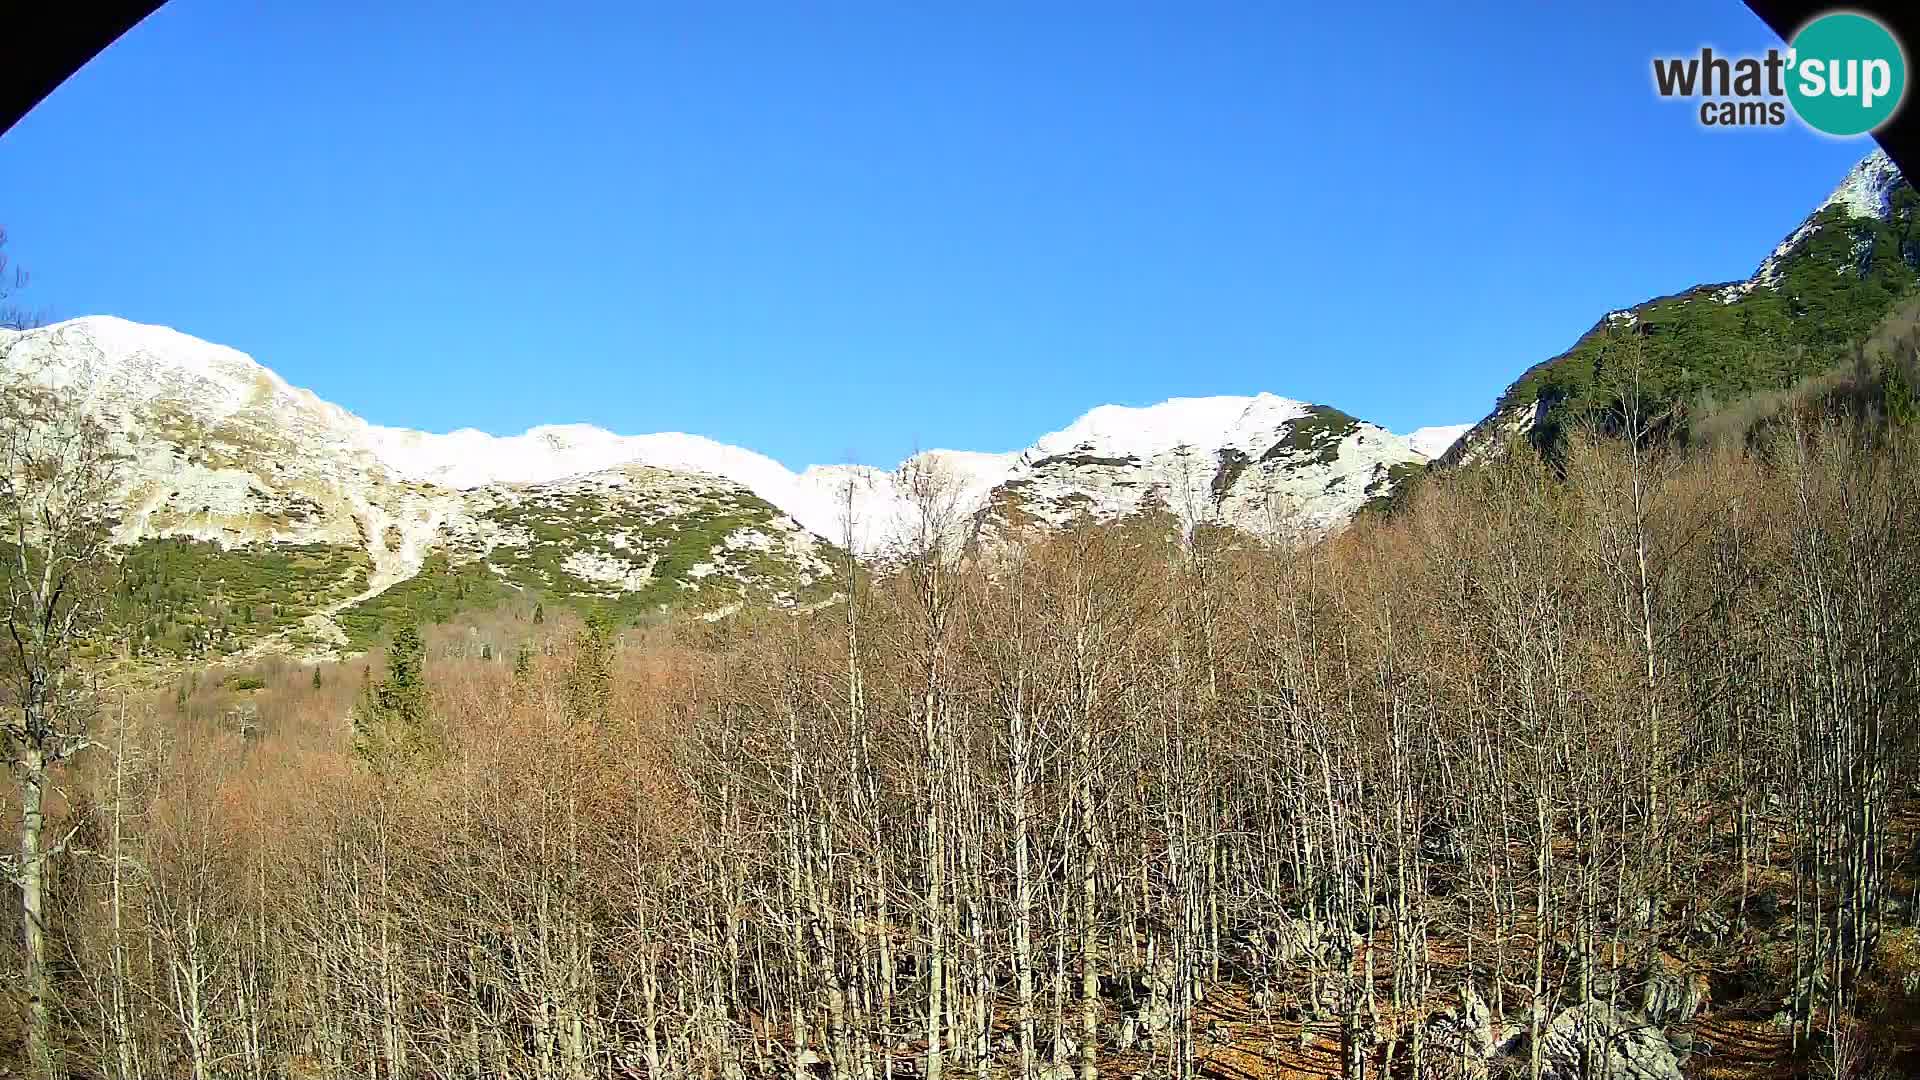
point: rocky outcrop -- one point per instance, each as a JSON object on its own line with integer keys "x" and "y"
{"x": 1468, "y": 1034}
{"x": 1598, "y": 1042}
{"x": 223, "y": 452}
{"x": 1673, "y": 996}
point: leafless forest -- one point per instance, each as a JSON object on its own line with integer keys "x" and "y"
{"x": 1601, "y": 771}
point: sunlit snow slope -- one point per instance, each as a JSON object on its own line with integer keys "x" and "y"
{"x": 223, "y": 450}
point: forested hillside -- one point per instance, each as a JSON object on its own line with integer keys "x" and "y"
{"x": 1601, "y": 763}
{"x": 1610, "y": 768}
{"x": 813, "y": 542}
{"x": 1683, "y": 357}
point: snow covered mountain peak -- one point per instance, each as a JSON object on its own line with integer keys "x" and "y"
{"x": 258, "y": 455}
{"x": 116, "y": 344}
{"x": 1435, "y": 441}
{"x": 1868, "y": 187}
{"x": 1198, "y": 422}
{"x": 124, "y": 360}
{"x": 1866, "y": 191}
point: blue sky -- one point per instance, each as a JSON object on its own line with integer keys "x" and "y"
{"x": 838, "y": 230}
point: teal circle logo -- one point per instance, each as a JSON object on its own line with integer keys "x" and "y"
{"x": 1847, "y": 74}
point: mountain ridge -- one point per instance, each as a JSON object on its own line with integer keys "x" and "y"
{"x": 238, "y": 477}
{"x": 1818, "y": 291}
{"x": 468, "y": 458}
{"x": 230, "y": 460}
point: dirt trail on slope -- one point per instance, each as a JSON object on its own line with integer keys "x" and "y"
{"x": 386, "y": 574}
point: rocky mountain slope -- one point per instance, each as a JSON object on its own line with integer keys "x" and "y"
{"x": 1224, "y": 460}
{"x": 255, "y": 508}
{"x": 1820, "y": 290}
{"x": 1264, "y": 464}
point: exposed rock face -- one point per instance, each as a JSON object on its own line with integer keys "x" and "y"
{"x": 1617, "y": 1045}
{"x": 225, "y": 452}
{"x": 222, "y": 451}
{"x": 1466, "y": 1031}
{"x": 1468, "y": 1035}
{"x": 1673, "y": 997}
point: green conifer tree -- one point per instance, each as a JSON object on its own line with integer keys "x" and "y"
{"x": 1898, "y": 391}
{"x": 390, "y": 722}
{"x": 590, "y": 680}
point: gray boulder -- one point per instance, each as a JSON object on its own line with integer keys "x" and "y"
{"x": 1468, "y": 1036}
{"x": 1302, "y": 941}
{"x": 1809, "y": 994}
{"x": 1672, "y": 998}
{"x": 1712, "y": 925}
{"x": 1618, "y": 1046}
{"x": 1156, "y": 1018}
{"x": 1474, "y": 1023}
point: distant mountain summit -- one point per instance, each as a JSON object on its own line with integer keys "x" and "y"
{"x": 1210, "y": 460}
{"x": 1821, "y": 289}
{"x": 236, "y": 477}
{"x": 254, "y": 509}
{"x": 1262, "y": 464}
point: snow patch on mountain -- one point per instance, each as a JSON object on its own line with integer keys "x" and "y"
{"x": 228, "y": 451}
{"x": 932, "y": 492}
{"x": 1434, "y": 441}
{"x": 1150, "y": 430}
{"x": 1866, "y": 191}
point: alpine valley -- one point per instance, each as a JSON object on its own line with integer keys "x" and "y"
{"x": 258, "y": 516}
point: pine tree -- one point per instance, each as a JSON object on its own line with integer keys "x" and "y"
{"x": 390, "y": 720}
{"x": 590, "y": 683}
{"x": 1902, "y": 403}
{"x": 539, "y": 613}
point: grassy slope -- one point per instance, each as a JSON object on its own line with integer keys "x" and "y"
{"x": 1695, "y": 352}
{"x": 675, "y": 536}
{"x": 434, "y": 595}
{"x": 179, "y": 598}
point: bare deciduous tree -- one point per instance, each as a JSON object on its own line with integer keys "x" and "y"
{"x": 58, "y": 480}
